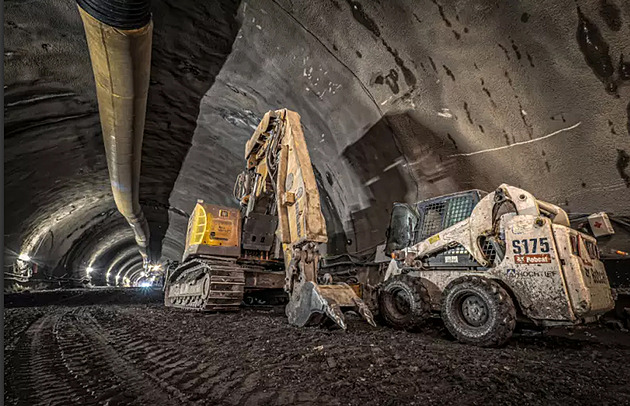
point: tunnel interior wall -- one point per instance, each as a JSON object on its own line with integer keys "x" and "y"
{"x": 400, "y": 101}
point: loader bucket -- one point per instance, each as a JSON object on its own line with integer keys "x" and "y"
{"x": 313, "y": 304}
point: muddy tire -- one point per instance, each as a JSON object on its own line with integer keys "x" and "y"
{"x": 404, "y": 302}
{"x": 478, "y": 311}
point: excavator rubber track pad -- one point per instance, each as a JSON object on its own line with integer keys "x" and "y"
{"x": 207, "y": 285}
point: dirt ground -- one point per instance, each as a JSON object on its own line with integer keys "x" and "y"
{"x": 141, "y": 354}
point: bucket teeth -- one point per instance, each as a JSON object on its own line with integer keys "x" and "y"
{"x": 333, "y": 311}
{"x": 363, "y": 310}
{"x": 313, "y": 304}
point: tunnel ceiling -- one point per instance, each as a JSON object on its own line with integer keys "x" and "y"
{"x": 400, "y": 100}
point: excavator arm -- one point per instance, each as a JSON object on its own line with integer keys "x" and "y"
{"x": 279, "y": 179}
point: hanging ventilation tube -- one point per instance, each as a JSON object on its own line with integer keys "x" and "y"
{"x": 119, "y": 35}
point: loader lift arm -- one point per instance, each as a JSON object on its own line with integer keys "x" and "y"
{"x": 279, "y": 180}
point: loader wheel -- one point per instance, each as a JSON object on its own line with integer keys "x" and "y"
{"x": 404, "y": 302}
{"x": 478, "y": 311}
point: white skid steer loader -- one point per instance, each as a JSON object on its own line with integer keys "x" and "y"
{"x": 484, "y": 259}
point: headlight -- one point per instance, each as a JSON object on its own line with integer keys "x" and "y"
{"x": 398, "y": 255}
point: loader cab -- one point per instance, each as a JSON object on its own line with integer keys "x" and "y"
{"x": 412, "y": 223}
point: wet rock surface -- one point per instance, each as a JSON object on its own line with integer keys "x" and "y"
{"x": 399, "y": 101}
{"x": 143, "y": 354}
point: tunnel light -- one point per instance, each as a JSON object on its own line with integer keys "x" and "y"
{"x": 107, "y": 276}
{"x": 145, "y": 284}
{"x": 89, "y": 270}
{"x": 143, "y": 274}
{"x": 24, "y": 257}
{"x": 117, "y": 277}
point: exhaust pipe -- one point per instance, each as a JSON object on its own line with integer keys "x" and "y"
{"x": 119, "y": 35}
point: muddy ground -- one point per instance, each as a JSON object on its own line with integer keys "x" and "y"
{"x": 141, "y": 354}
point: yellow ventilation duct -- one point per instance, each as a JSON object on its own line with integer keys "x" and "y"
{"x": 119, "y": 35}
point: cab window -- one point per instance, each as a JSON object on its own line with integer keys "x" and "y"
{"x": 402, "y": 228}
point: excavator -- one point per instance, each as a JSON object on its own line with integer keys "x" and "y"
{"x": 270, "y": 243}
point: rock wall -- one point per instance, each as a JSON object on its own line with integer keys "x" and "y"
{"x": 400, "y": 100}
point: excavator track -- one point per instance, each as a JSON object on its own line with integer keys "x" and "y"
{"x": 206, "y": 285}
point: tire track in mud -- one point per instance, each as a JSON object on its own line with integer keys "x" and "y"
{"x": 41, "y": 377}
{"x": 193, "y": 377}
{"x": 110, "y": 376}
{"x": 64, "y": 359}
{"x": 150, "y": 355}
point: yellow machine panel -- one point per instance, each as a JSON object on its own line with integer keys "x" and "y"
{"x": 213, "y": 230}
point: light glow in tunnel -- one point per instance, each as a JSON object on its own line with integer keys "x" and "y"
{"x": 24, "y": 257}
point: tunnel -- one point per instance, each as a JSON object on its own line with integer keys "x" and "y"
{"x": 123, "y": 118}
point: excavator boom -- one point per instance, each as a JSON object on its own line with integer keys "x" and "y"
{"x": 279, "y": 178}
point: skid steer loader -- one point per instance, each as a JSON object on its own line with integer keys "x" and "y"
{"x": 483, "y": 259}
{"x": 271, "y": 243}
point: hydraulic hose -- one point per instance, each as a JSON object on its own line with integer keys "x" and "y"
{"x": 119, "y": 34}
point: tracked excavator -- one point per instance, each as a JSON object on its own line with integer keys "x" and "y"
{"x": 483, "y": 260}
{"x": 270, "y": 243}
